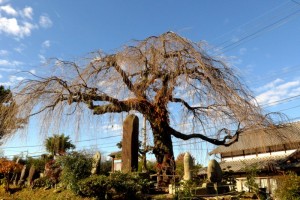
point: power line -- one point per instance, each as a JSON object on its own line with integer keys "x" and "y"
{"x": 255, "y": 20}
{"x": 256, "y": 33}
{"x": 29, "y": 146}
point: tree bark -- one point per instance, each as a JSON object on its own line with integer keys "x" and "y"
{"x": 163, "y": 151}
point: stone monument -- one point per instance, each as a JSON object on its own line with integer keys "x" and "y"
{"x": 188, "y": 165}
{"x": 130, "y": 144}
{"x": 31, "y": 175}
{"x": 22, "y": 177}
{"x": 96, "y": 163}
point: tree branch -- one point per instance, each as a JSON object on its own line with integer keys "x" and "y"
{"x": 111, "y": 108}
{"x": 111, "y": 61}
{"x": 227, "y": 140}
{"x": 193, "y": 108}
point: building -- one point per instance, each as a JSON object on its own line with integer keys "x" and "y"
{"x": 116, "y": 162}
{"x": 270, "y": 152}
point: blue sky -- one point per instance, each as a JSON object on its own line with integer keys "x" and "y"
{"x": 260, "y": 39}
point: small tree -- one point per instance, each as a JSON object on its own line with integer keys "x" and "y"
{"x": 58, "y": 144}
{"x": 7, "y": 167}
{"x": 179, "y": 164}
{"x": 75, "y": 166}
{"x": 288, "y": 187}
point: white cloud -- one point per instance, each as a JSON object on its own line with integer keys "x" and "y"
{"x": 113, "y": 127}
{"x": 12, "y": 81}
{"x": 43, "y": 60}
{"x": 7, "y": 63}
{"x": 277, "y": 90}
{"x": 45, "y": 21}
{"x": 18, "y": 22}
{"x": 46, "y": 44}
{"x": 9, "y": 10}
{"x": 11, "y": 26}
{"x": 1, "y": 76}
{"x": 3, "y": 69}
{"x": 16, "y": 78}
{"x": 20, "y": 48}
{"x": 32, "y": 71}
{"x": 269, "y": 85}
{"x": 3, "y": 52}
{"x": 27, "y": 12}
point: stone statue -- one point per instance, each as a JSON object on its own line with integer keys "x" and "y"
{"x": 96, "y": 163}
{"x": 188, "y": 165}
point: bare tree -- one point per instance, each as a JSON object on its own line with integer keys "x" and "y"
{"x": 150, "y": 77}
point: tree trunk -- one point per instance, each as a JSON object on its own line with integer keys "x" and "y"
{"x": 163, "y": 151}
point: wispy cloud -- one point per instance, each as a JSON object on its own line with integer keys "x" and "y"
{"x": 13, "y": 80}
{"x": 42, "y": 58}
{"x": 45, "y": 21}
{"x": 242, "y": 51}
{"x": 3, "y": 52}
{"x": 46, "y": 44}
{"x": 20, "y": 48}
{"x": 8, "y": 63}
{"x": 277, "y": 90}
{"x": 4, "y": 69}
{"x": 270, "y": 85}
{"x": 28, "y": 12}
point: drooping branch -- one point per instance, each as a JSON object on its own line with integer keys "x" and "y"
{"x": 226, "y": 141}
{"x": 193, "y": 108}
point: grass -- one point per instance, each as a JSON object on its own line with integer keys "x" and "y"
{"x": 38, "y": 194}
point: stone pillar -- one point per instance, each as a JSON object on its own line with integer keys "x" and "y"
{"x": 130, "y": 144}
{"x": 113, "y": 164}
{"x": 22, "y": 177}
{"x": 96, "y": 163}
{"x": 30, "y": 175}
{"x": 188, "y": 165}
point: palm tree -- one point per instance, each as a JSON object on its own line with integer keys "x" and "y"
{"x": 58, "y": 144}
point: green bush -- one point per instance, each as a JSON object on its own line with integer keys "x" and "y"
{"x": 125, "y": 184}
{"x": 105, "y": 167}
{"x": 75, "y": 166}
{"x": 39, "y": 163}
{"x": 120, "y": 185}
{"x": 94, "y": 186}
{"x": 288, "y": 187}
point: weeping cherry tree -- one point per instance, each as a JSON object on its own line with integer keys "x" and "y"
{"x": 151, "y": 77}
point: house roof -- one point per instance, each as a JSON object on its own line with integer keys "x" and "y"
{"x": 287, "y": 135}
{"x": 264, "y": 163}
{"x": 116, "y": 154}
